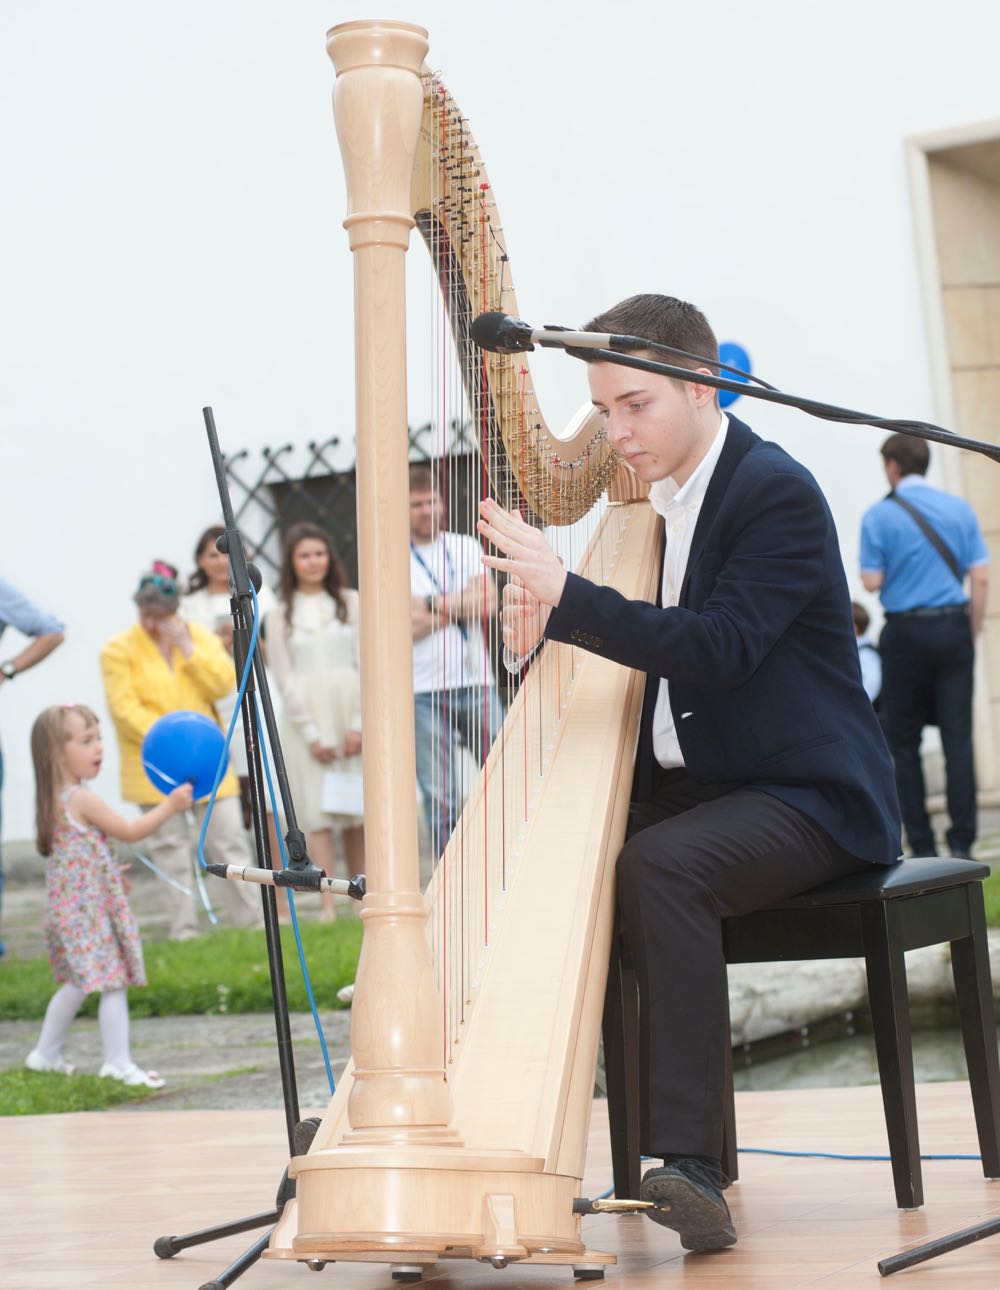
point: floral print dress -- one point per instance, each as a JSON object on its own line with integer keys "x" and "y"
{"x": 90, "y": 932}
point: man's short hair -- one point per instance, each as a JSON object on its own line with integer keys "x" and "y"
{"x": 911, "y": 455}
{"x": 663, "y": 319}
{"x": 421, "y": 478}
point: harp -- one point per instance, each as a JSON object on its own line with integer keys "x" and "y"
{"x": 459, "y": 1129}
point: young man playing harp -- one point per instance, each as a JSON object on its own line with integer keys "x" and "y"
{"x": 761, "y": 770}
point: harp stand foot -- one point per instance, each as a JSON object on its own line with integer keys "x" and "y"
{"x": 301, "y": 874}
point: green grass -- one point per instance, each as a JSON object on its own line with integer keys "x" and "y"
{"x": 225, "y": 972}
{"x": 24, "y": 1092}
{"x": 991, "y": 895}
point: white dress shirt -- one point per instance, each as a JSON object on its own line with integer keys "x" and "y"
{"x": 680, "y": 508}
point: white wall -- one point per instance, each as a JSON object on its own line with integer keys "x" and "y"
{"x": 170, "y": 236}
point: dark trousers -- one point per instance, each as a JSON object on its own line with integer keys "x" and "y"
{"x": 699, "y": 853}
{"x": 927, "y": 681}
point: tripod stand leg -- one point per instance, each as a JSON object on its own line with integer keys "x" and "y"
{"x": 235, "y": 1270}
{"x": 165, "y": 1247}
{"x": 898, "y": 1262}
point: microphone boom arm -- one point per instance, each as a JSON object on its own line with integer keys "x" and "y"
{"x": 825, "y": 411}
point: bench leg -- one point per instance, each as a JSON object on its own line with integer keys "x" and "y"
{"x": 621, "y": 1072}
{"x": 970, "y": 966}
{"x": 890, "y": 1011}
{"x": 729, "y": 1160}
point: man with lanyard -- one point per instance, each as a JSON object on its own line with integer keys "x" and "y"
{"x": 760, "y": 770}
{"x": 454, "y": 690}
{"x": 917, "y": 546}
{"x": 45, "y": 632}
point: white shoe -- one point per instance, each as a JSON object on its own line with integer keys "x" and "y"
{"x": 346, "y": 993}
{"x": 132, "y": 1075}
{"x": 36, "y": 1062}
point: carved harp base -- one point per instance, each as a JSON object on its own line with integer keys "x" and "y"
{"x": 492, "y": 1207}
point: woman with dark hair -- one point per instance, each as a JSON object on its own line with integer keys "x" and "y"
{"x": 313, "y": 650}
{"x": 207, "y": 601}
{"x": 162, "y": 664}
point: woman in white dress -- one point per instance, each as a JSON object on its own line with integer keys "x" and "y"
{"x": 312, "y": 640}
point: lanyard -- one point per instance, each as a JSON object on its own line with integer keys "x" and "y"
{"x": 435, "y": 582}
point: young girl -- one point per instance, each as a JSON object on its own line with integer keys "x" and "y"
{"x": 91, "y": 935}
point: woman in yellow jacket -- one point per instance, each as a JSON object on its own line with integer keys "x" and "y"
{"x": 161, "y": 665}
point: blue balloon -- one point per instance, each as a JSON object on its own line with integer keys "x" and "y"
{"x": 183, "y": 748}
{"x": 736, "y": 356}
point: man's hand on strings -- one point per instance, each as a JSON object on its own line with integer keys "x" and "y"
{"x": 527, "y": 556}
{"x": 522, "y": 619}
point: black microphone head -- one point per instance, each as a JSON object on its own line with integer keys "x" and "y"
{"x": 501, "y": 334}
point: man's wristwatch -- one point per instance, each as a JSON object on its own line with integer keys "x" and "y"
{"x": 8, "y": 669}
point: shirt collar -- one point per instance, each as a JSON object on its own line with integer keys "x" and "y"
{"x": 911, "y": 481}
{"x": 665, "y": 496}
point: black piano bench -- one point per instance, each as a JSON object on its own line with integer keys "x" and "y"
{"x": 877, "y": 915}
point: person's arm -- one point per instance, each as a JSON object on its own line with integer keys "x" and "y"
{"x": 205, "y": 661}
{"x": 773, "y": 564}
{"x": 872, "y": 554}
{"x": 45, "y": 630}
{"x": 131, "y": 715}
{"x": 522, "y": 622}
{"x": 979, "y": 584}
{"x": 478, "y": 598}
{"x": 871, "y": 670}
{"x": 90, "y": 809}
{"x": 37, "y": 648}
{"x": 352, "y": 738}
{"x": 423, "y": 620}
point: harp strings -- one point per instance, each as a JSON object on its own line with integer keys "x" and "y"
{"x": 490, "y": 441}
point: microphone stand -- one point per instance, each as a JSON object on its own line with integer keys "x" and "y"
{"x": 301, "y": 875}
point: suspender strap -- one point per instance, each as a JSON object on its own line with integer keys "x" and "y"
{"x": 931, "y": 534}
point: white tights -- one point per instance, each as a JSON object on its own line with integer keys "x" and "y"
{"x": 112, "y": 1014}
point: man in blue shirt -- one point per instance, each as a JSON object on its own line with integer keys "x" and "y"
{"x": 928, "y": 643}
{"x": 45, "y": 631}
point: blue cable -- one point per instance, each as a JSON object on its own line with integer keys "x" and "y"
{"x": 219, "y": 773}
{"x": 834, "y": 1155}
{"x": 291, "y": 901}
{"x": 822, "y": 1155}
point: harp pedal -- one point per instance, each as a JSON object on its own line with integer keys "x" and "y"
{"x": 615, "y": 1206}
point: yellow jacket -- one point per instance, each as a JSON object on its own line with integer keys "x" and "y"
{"x": 140, "y": 688}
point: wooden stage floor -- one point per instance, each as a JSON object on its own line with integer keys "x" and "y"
{"x": 86, "y": 1194}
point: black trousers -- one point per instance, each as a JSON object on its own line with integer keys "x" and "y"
{"x": 927, "y": 681}
{"x": 696, "y": 854}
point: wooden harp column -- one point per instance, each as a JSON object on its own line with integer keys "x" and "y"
{"x": 470, "y": 1145}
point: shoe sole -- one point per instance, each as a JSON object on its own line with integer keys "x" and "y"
{"x": 698, "y": 1220}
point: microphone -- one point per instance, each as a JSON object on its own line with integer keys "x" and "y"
{"x": 312, "y": 880}
{"x": 501, "y": 334}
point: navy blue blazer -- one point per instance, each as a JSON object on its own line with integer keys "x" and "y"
{"x": 760, "y": 653}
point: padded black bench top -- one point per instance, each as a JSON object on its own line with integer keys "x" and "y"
{"x": 887, "y": 882}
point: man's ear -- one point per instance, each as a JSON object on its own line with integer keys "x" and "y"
{"x": 703, "y": 394}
